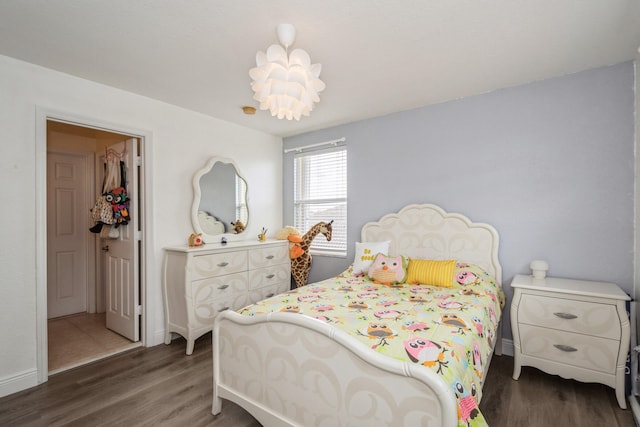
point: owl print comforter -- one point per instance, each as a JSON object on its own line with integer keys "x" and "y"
{"x": 449, "y": 330}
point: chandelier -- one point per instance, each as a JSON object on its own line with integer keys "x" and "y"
{"x": 286, "y": 85}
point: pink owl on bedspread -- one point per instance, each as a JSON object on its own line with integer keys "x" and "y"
{"x": 467, "y": 404}
{"x": 467, "y": 278}
{"x": 426, "y": 352}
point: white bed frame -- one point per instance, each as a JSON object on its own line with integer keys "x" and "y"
{"x": 297, "y": 371}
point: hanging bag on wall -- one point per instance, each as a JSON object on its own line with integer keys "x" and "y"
{"x": 119, "y": 199}
{"x": 109, "y": 232}
{"x": 102, "y": 212}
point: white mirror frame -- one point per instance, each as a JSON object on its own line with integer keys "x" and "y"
{"x": 197, "y": 195}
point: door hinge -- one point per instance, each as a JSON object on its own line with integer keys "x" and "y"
{"x": 138, "y": 161}
{"x": 139, "y": 310}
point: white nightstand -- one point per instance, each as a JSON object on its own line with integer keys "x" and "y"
{"x": 573, "y": 328}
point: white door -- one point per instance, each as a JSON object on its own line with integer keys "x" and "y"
{"x": 122, "y": 256}
{"x": 67, "y": 228}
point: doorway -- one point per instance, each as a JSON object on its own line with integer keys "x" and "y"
{"x": 80, "y": 303}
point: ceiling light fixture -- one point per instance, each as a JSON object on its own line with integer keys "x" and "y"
{"x": 287, "y": 86}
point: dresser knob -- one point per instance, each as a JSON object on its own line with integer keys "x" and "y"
{"x": 223, "y": 287}
{"x": 565, "y": 315}
{"x": 566, "y": 348}
{"x": 270, "y": 257}
{"x": 223, "y": 264}
{"x": 223, "y": 309}
{"x": 271, "y": 276}
{"x": 269, "y": 295}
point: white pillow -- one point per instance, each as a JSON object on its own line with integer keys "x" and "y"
{"x": 366, "y": 252}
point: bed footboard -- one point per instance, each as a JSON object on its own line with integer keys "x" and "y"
{"x": 291, "y": 370}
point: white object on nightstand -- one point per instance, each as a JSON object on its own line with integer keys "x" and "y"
{"x": 573, "y": 328}
{"x": 539, "y": 269}
{"x": 200, "y": 282}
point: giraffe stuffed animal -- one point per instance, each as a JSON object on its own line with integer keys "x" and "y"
{"x": 301, "y": 266}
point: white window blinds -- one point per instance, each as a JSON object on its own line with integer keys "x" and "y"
{"x": 241, "y": 197}
{"x": 320, "y": 194}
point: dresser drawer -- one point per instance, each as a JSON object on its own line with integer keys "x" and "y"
{"x": 205, "y": 312}
{"x": 269, "y": 276}
{"x": 218, "y": 264}
{"x": 570, "y": 315}
{"x": 598, "y": 354}
{"x": 265, "y": 292}
{"x": 218, "y": 287}
{"x": 269, "y": 255}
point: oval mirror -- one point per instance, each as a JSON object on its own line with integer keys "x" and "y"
{"x": 219, "y": 200}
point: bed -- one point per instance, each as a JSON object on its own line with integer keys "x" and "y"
{"x": 352, "y": 351}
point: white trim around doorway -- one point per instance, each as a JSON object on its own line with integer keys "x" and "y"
{"x": 148, "y": 273}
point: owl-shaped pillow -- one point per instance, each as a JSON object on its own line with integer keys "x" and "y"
{"x": 388, "y": 270}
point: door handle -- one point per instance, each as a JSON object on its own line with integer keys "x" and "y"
{"x": 105, "y": 248}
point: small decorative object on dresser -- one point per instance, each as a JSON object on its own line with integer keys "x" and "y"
{"x": 195, "y": 240}
{"x": 573, "y": 328}
{"x": 200, "y": 282}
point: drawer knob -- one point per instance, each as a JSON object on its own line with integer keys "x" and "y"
{"x": 565, "y": 315}
{"x": 566, "y": 348}
{"x": 223, "y": 287}
{"x": 270, "y": 257}
{"x": 271, "y": 276}
{"x": 223, "y": 309}
{"x": 269, "y": 295}
{"x": 223, "y": 264}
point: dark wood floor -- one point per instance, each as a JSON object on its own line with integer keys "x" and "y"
{"x": 161, "y": 386}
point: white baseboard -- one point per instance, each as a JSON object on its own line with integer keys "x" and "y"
{"x": 157, "y": 338}
{"x": 507, "y": 347}
{"x": 18, "y": 382}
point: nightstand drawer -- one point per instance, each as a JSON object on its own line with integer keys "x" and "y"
{"x": 570, "y": 315}
{"x": 598, "y": 354}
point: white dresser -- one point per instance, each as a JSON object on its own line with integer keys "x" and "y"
{"x": 200, "y": 282}
{"x": 573, "y": 328}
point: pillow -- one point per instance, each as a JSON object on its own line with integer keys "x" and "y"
{"x": 388, "y": 270}
{"x": 431, "y": 272}
{"x": 366, "y": 252}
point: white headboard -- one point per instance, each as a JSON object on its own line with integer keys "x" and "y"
{"x": 428, "y": 232}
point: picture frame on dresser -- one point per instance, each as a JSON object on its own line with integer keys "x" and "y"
{"x": 576, "y": 329}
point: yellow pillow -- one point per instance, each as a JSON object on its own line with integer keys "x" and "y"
{"x": 431, "y": 272}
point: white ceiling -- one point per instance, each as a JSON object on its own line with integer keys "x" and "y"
{"x": 377, "y": 56}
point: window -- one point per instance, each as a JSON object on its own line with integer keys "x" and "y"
{"x": 241, "y": 199}
{"x": 320, "y": 194}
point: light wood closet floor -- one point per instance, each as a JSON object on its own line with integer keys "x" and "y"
{"x": 161, "y": 386}
{"x": 81, "y": 338}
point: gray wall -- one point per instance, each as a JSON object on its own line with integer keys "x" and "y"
{"x": 549, "y": 164}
